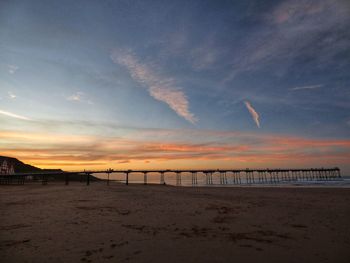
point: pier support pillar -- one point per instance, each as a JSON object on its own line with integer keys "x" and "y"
{"x": 87, "y": 178}
{"x": 162, "y": 180}
{"x": 272, "y": 177}
{"x": 109, "y": 171}
{"x": 223, "y": 178}
{"x": 178, "y": 178}
{"x": 209, "y": 177}
{"x": 145, "y": 178}
{"x": 248, "y": 176}
{"x": 234, "y": 177}
{"x": 127, "y": 178}
{"x": 325, "y": 175}
{"x": 277, "y": 177}
{"x": 265, "y": 176}
{"x": 307, "y": 173}
{"x": 237, "y": 176}
{"x": 194, "y": 178}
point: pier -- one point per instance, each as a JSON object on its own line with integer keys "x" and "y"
{"x": 222, "y": 177}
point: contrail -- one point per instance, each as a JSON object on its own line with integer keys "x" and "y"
{"x": 308, "y": 87}
{"x": 10, "y": 114}
{"x": 254, "y": 114}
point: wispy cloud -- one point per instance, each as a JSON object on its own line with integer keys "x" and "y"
{"x": 12, "y": 69}
{"x": 308, "y": 87}
{"x": 11, "y": 95}
{"x": 204, "y": 57}
{"x": 13, "y": 115}
{"x": 290, "y": 10}
{"x": 75, "y": 97}
{"x": 253, "y": 112}
{"x": 124, "y": 161}
{"x": 159, "y": 87}
{"x": 291, "y": 30}
{"x": 79, "y": 97}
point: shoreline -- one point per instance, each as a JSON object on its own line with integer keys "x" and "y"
{"x": 344, "y": 183}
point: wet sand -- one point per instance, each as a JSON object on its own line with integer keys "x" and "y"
{"x": 153, "y": 223}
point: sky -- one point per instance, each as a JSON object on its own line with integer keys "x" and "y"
{"x": 175, "y": 84}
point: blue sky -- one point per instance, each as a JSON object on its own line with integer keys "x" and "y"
{"x": 114, "y": 68}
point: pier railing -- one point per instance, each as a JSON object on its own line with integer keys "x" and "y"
{"x": 225, "y": 176}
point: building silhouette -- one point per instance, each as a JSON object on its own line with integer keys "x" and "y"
{"x": 6, "y": 167}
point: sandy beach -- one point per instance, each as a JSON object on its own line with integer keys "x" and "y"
{"x": 154, "y": 223}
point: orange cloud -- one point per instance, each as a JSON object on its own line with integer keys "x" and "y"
{"x": 222, "y": 149}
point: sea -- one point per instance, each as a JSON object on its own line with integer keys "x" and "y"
{"x": 186, "y": 180}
